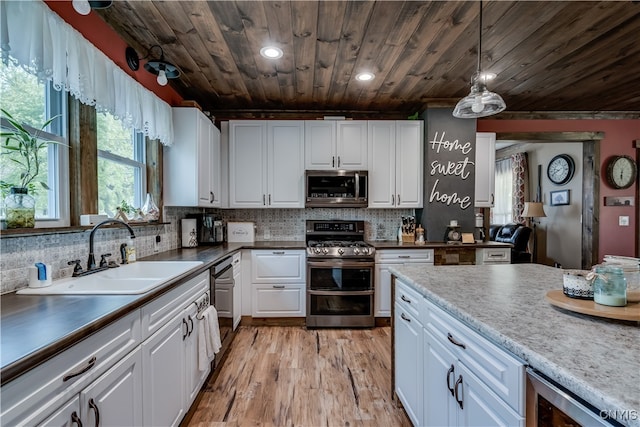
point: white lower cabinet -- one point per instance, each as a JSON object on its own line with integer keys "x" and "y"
{"x": 456, "y": 377}
{"x": 386, "y": 258}
{"x": 408, "y": 355}
{"x": 278, "y": 286}
{"x": 279, "y": 300}
{"x": 141, "y": 370}
{"x": 493, "y": 256}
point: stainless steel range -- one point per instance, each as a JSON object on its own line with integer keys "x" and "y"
{"x": 340, "y": 268}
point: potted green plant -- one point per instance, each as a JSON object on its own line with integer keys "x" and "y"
{"x": 24, "y": 151}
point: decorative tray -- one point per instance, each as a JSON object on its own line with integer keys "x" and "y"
{"x": 630, "y": 312}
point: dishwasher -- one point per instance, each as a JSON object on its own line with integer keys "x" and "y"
{"x": 222, "y": 286}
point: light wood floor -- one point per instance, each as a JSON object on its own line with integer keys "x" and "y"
{"x": 291, "y": 376}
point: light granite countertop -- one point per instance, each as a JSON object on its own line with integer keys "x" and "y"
{"x": 597, "y": 359}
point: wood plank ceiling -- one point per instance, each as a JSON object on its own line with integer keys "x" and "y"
{"x": 548, "y": 55}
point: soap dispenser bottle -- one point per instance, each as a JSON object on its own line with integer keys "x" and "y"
{"x": 131, "y": 250}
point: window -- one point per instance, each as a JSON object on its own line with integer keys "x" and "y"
{"x": 32, "y": 103}
{"x": 121, "y": 166}
{"x": 502, "y": 212}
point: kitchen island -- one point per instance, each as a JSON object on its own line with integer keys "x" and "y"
{"x": 596, "y": 359}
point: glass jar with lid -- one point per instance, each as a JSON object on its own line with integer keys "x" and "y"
{"x": 610, "y": 286}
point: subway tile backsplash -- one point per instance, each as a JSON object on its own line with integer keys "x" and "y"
{"x": 17, "y": 253}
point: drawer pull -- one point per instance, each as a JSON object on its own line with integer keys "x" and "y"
{"x": 278, "y": 252}
{"x": 452, "y": 340}
{"x": 93, "y": 406}
{"x": 459, "y": 397}
{"x": 186, "y": 334}
{"x": 191, "y": 324}
{"x": 76, "y": 419}
{"x": 278, "y": 286}
{"x": 449, "y": 373}
{"x": 497, "y": 255}
{"x": 90, "y": 364}
{"x": 405, "y": 317}
{"x": 405, "y": 299}
{"x": 404, "y": 256}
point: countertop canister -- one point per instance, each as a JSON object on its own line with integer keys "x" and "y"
{"x": 610, "y": 286}
{"x": 189, "y": 233}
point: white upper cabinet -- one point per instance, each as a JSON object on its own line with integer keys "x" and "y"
{"x": 395, "y": 163}
{"x": 485, "y": 169}
{"x": 266, "y": 164}
{"x": 192, "y": 175}
{"x": 336, "y": 144}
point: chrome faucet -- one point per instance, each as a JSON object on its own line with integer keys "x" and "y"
{"x": 91, "y": 262}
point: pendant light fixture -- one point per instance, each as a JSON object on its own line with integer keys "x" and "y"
{"x": 161, "y": 68}
{"x": 480, "y": 102}
{"x": 83, "y": 7}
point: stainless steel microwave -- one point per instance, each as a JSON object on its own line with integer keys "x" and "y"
{"x": 333, "y": 189}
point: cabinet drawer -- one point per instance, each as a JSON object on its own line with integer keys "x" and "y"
{"x": 277, "y": 266}
{"x": 80, "y": 364}
{"x": 409, "y": 299}
{"x": 405, "y": 256}
{"x": 500, "y": 371}
{"x": 493, "y": 255}
{"x": 159, "y": 311}
{"x": 279, "y": 300}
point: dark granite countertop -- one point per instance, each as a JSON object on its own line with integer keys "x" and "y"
{"x": 34, "y": 328}
{"x": 394, "y": 244}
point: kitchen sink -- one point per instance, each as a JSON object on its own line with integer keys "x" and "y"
{"x": 128, "y": 279}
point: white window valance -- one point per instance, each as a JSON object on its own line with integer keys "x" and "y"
{"x": 39, "y": 40}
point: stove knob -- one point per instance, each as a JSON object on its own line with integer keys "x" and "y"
{"x": 365, "y": 251}
{"x": 340, "y": 251}
{"x": 325, "y": 251}
{"x": 356, "y": 251}
{"x": 316, "y": 250}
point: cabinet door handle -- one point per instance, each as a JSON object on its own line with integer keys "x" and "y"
{"x": 90, "y": 364}
{"x": 76, "y": 419}
{"x": 264, "y": 202}
{"x": 278, "y": 252}
{"x": 333, "y": 161}
{"x": 492, "y": 198}
{"x": 191, "y": 324}
{"x": 393, "y": 200}
{"x": 449, "y": 373}
{"x": 269, "y": 199}
{"x": 454, "y": 341}
{"x": 338, "y": 161}
{"x": 458, "y": 395}
{"x": 211, "y": 197}
{"x": 405, "y": 317}
{"x": 405, "y": 299}
{"x": 92, "y": 405}
{"x": 186, "y": 334}
{"x": 278, "y": 286}
{"x": 398, "y": 197}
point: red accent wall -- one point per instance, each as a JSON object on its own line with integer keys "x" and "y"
{"x": 94, "y": 29}
{"x": 618, "y": 139}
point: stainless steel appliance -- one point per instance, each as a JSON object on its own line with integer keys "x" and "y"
{"x": 337, "y": 188}
{"x": 222, "y": 286}
{"x": 211, "y": 230}
{"x": 549, "y": 405}
{"x": 340, "y": 269}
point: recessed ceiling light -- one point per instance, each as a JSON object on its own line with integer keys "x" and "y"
{"x": 271, "y": 52}
{"x": 365, "y": 77}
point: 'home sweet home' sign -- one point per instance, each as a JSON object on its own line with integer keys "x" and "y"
{"x": 449, "y": 172}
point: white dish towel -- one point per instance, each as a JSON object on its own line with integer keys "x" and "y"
{"x": 208, "y": 337}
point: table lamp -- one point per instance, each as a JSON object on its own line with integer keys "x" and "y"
{"x": 533, "y": 210}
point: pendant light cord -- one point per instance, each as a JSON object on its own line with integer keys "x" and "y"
{"x": 480, "y": 39}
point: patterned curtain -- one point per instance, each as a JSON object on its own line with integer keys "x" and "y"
{"x": 520, "y": 170}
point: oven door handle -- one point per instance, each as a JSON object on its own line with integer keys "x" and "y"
{"x": 339, "y": 293}
{"x": 339, "y": 263}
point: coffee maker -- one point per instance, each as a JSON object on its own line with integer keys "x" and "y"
{"x": 210, "y": 229}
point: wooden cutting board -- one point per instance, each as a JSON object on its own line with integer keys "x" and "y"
{"x": 630, "y": 312}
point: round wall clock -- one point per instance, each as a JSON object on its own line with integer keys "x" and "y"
{"x": 621, "y": 172}
{"x": 561, "y": 169}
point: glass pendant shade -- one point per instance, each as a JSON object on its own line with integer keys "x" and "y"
{"x": 479, "y": 103}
